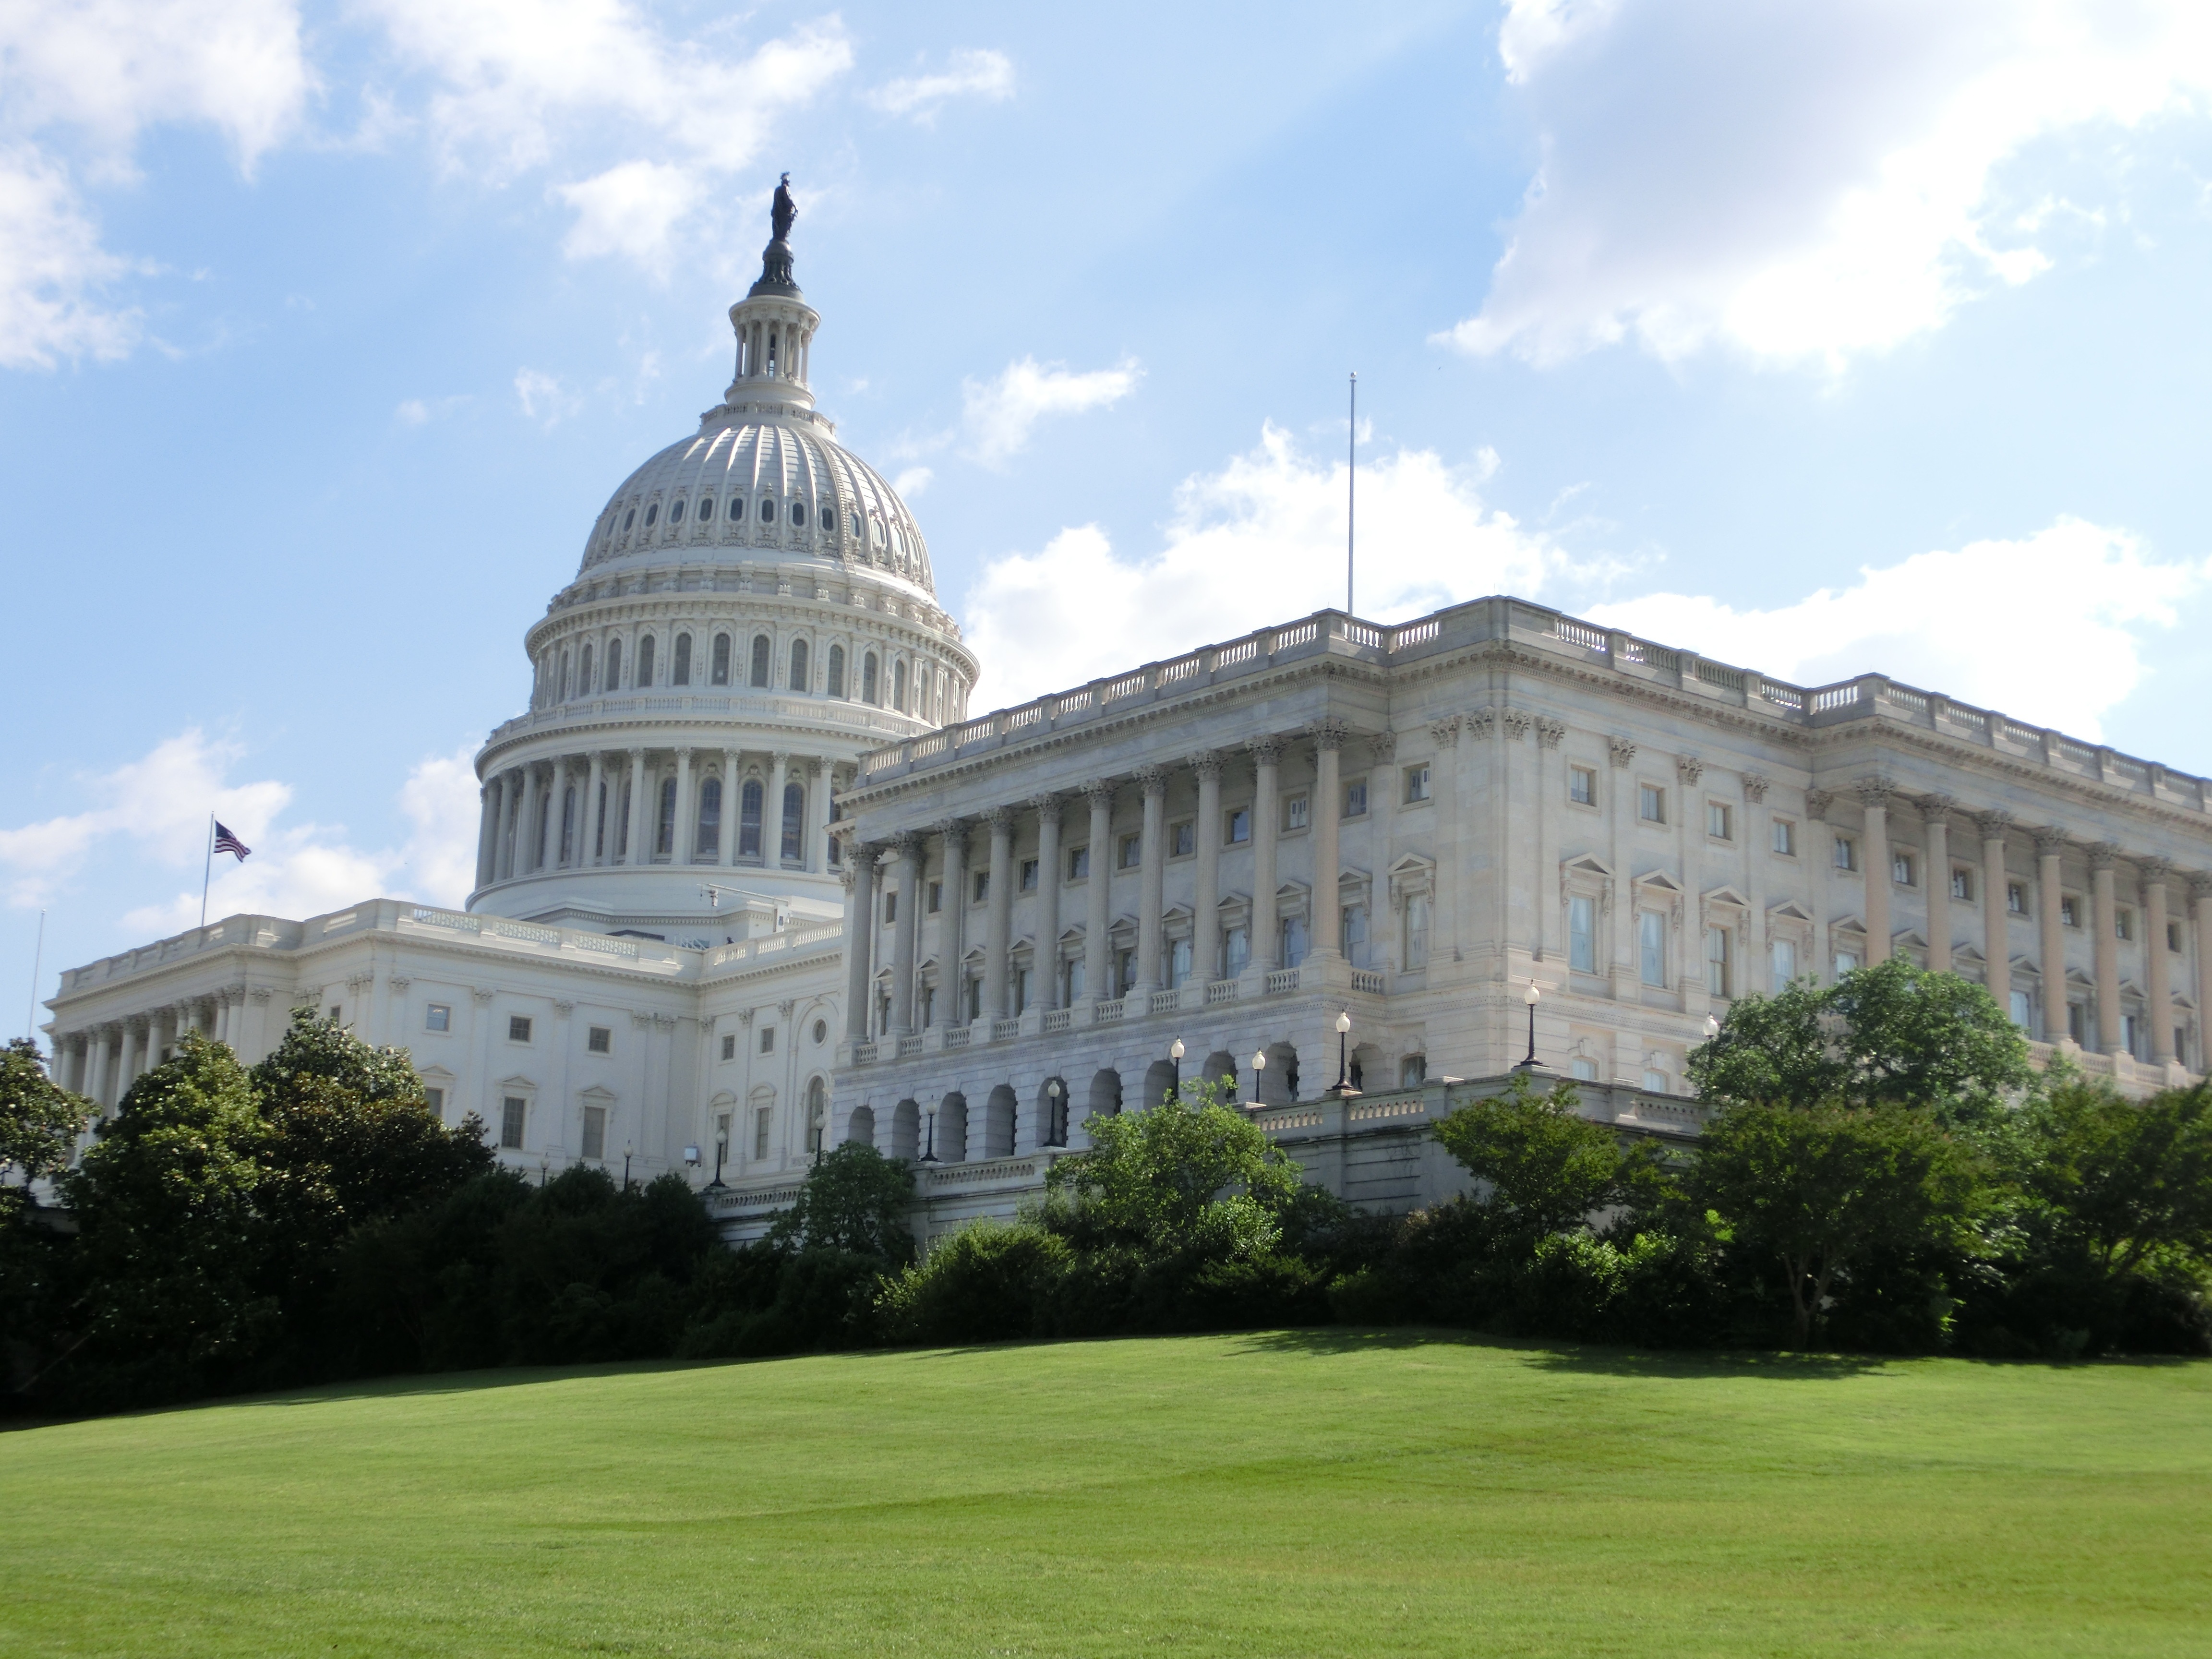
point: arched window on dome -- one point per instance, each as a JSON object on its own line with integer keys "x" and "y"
{"x": 768, "y": 509}
{"x": 584, "y": 674}
{"x": 645, "y": 662}
{"x": 682, "y": 670}
{"x": 793, "y": 842}
{"x": 799, "y": 515}
{"x": 706, "y": 509}
{"x": 749, "y": 819}
{"x": 868, "y": 677}
{"x": 630, "y": 517}
{"x": 560, "y": 691}
{"x": 614, "y": 665}
{"x": 829, "y": 520}
{"x": 799, "y": 664}
{"x": 707, "y": 847}
{"x": 760, "y": 649}
{"x": 720, "y": 675}
{"x": 663, "y": 843}
{"x": 898, "y": 685}
{"x": 675, "y": 513}
{"x": 836, "y": 687}
{"x": 651, "y": 513}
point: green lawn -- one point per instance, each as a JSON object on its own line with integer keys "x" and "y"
{"x": 1324, "y": 1494}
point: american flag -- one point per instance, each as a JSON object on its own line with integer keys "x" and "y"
{"x": 227, "y": 843}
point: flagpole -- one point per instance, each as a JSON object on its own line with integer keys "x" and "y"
{"x": 38, "y": 960}
{"x": 206, "y": 870}
{"x": 1350, "y": 488}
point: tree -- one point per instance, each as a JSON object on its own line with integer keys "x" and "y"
{"x": 39, "y": 1120}
{"x": 2118, "y": 1182}
{"x": 1549, "y": 1168}
{"x": 855, "y": 1200}
{"x": 1185, "y": 1173}
{"x": 1889, "y": 1035}
{"x": 1820, "y": 1186}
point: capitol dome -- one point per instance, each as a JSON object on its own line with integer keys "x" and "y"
{"x": 753, "y": 612}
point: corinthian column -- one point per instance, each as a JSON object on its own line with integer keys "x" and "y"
{"x": 2158, "y": 976}
{"x": 503, "y": 850}
{"x": 588, "y": 851}
{"x": 2049, "y": 846}
{"x": 1205, "y": 906}
{"x": 1152, "y": 870}
{"x": 860, "y": 879}
{"x": 951, "y": 941}
{"x": 635, "y": 851}
{"x": 1267, "y": 818}
{"x": 1996, "y": 922}
{"x": 1098, "y": 937}
{"x": 999, "y": 935}
{"x": 1327, "y": 935}
{"x": 683, "y": 839}
{"x": 2200, "y": 896}
{"x": 1934, "y": 818}
{"x": 487, "y": 829}
{"x": 1874, "y": 794}
{"x": 2104, "y": 917}
{"x": 907, "y": 845}
{"x": 1045, "y": 962}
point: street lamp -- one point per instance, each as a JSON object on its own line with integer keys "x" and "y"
{"x": 1531, "y": 997}
{"x": 544, "y": 1163}
{"x": 1712, "y": 1028}
{"x": 1342, "y": 1087}
{"x": 1259, "y": 1069}
{"x": 1055, "y": 1134}
{"x": 626, "y": 1152}
{"x": 721, "y": 1148}
{"x": 1176, "y": 1053}
{"x": 929, "y": 1152}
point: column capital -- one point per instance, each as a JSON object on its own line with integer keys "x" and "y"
{"x": 814, "y": 766}
{"x": 1689, "y": 769}
{"x": 1755, "y": 787}
{"x": 1383, "y": 744}
{"x": 1993, "y": 824}
{"x": 1516, "y": 722}
{"x": 1550, "y": 733}
{"x": 1481, "y": 722}
{"x": 1099, "y": 792}
{"x": 2102, "y": 852}
{"x": 683, "y": 753}
{"x": 1621, "y": 749}
{"x": 2050, "y": 841}
{"x": 636, "y": 756}
{"x": 1817, "y": 802}
{"x": 1047, "y": 807}
{"x": 2200, "y": 887}
{"x": 1153, "y": 780}
{"x": 1330, "y": 732}
{"x": 955, "y": 832}
{"x": 1265, "y": 751}
{"x": 1935, "y": 809}
{"x": 906, "y": 843}
{"x": 1874, "y": 792}
{"x": 999, "y": 820}
{"x": 781, "y": 756}
{"x": 1206, "y": 762}
{"x": 2154, "y": 871}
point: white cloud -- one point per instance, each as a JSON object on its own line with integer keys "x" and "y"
{"x": 1978, "y": 623}
{"x": 626, "y": 210}
{"x": 972, "y": 74}
{"x": 1259, "y": 542}
{"x": 911, "y": 481}
{"x": 543, "y": 397}
{"x": 999, "y": 415}
{"x": 153, "y": 810}
{"x": 53, "y": 269}
{"x": 1803, "y": 183}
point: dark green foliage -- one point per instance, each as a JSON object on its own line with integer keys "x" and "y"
{"x": 1548, "y": 1167}
{"x": 1189, "y": 1175}
{"x": 39, "y": 1121}
{"x": 1891, "y": 1034}
{"x": 986, "y": 1283}
{"x": 854, "y": 1201}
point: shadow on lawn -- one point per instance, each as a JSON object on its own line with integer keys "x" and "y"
{"x": 1575, "y": 1357}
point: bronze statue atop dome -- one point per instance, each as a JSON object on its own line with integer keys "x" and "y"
{"x": 775, "y": 276}
{"x": 784, "y": 209}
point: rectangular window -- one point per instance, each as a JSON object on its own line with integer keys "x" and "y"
{"x": 936, "y": 897}
{"x": 2077, "y": 1023}
{"x": 1582, "y": 933}
{"x": 1178, "y": 964}
{"x": 928, "y": 1007}
{"x": 600, "y": 1040}
{"x": 1655, "y": 1082}
{"x": 1355, "y": 799}
{"x": 2129, "y": 1024}
{"x": 2069, "y": 915}
{"x": 1651, "y": 802}
{"x": 1785, "y": 838}
{"x": 2016, "y": 898}
{"x": 1582, "y": 1069}
{"x": 1237, "y": 826}
{"x": 1847, "y": 853}
{"x": 433, "y": 1101}
{"x": 1717, "y": 962}
{"x": 2123, "y": 924}
{"x": 2173, "y": 942}
{"x": 511, "y": 1111}
{"x": 1783, "y": 953}
{"x": 890, "y": 907}
{"x": 1413, "y": 1071}
{"x": 1021, "y": 991}
{"x": 1295, "y": 813}
{"x": 1719, "y": 821}
{"x": 1847, "y": 962}
{"x": 335, "y": 1013}
{"x": 981, "y": 884}
{"x": 1076, "y": 973}
{"x": 768, "y": 1039}
{"x": 1582, "y": 785}
{"x": 1133, "y": 851}
{"x": 763, "y": 1125}
{"x": 1294, "y": 940}
{"x": 595, "y": 1132}
{"x": 1417, "y": 931}
{"x": 1417, "y": 783}
{"x": 1962, "y": 885}
{"x": 972, "y": 999}
{"x": 1079, "y": 863}
{"x": 1182, "y": 838}
{"x": 2019, "y": 1009}
{"x": 1651, "y": 936}
{"x": 1900, "y": 869}
{"x": 517, "y": 1027}
{"x": 1125, "y": 971}
{"x": 1237, "y": 952}
{"x": 1354, "y": 935}
{"x": 1028, "y": 875}
{"x": 438, "y": 1017}
{"x": 729, "y": 1045}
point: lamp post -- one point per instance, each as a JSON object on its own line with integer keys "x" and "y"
{"x": 721, "y": 1148}
{"x": 1054, "y": 1133}
{"x": 1712, "y": 1028}
{"x": 545, "y": 1163}
{"x": 626, "y": 1152}
{"x": 1342, "y": 1088}
{"x": 1176, "y": 1052}
{"x": 929, "y": 1150}
{"x": 1532, "y": 996}
{"x": 1259, "y": 1069}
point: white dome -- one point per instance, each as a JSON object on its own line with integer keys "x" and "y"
{"x": 752, "y": 479}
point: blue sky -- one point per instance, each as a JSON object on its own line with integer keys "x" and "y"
{"x": 1821, "y": 339}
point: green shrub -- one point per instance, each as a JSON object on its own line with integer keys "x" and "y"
{"x": 987, "y": 1283}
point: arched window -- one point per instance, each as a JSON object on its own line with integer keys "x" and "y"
{"x": 795, "y": 822}
{"x": 614, "y": 665}
{"x": 567, "y": 824}
{"x": 748, "y": 820}
{"x": 836, "y": 670}
{"x": 664, "y": 844}
{"x": 645, "y": 661}
{"x": 868, "y": 677}
{"x": 651, "y": 513}
{"x": 829, "y": 520}
{"x": 799, "y": 514}
{"x": 707, "y": 848}
{"x": 759, "y": 661}
{"x": 898, "y": 685}
{"x": 682, "y": 674}
{"x": 818, "y": 1115}
{"x": 706, "y": 509}
{"x": 562, "y": 695}
{"x": 721, "y": 666}
{"x": 799, "y": 664}
{"x": 584, "y": 674}
{"x": 630, "y": 517}
{"x": 675, "y": 513}
{"x": 768, "y": 509}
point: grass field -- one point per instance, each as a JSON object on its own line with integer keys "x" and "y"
{"x": 1324, "y": 1494}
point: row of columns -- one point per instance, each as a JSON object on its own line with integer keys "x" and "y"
{"x": 907, "y": 851}
{"x": 519, "y": 828}
{"x": 102, "y": 1061}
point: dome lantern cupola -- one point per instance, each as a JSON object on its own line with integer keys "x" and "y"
{"x": 775, "y": 325}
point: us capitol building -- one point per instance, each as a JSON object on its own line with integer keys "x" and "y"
{"x": 751, "y": 881}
